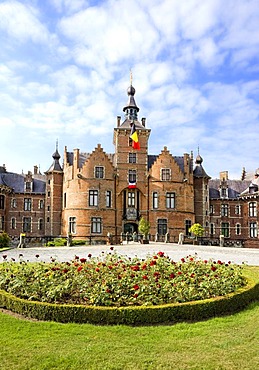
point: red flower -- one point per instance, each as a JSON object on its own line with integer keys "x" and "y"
{"x": 135, "y": 268}
{"x": 89, "y": 255}
{"x": 65, "y": 271}
{"x": 144, "y": 266}
{"x": 213, "y": 268}
{"x": 191, "y": 258}
{"x": 219, "y": 262}
{"x": 80, "y": 268}
{"x": 135, "y": 295}
{"x": 110, "y": 267}
{"x": 82, "y": 260}
{"x": 119, "y": 277}
{"x": 136, "y": 287}
{"x": 179, "y": 273}
{"x": 172, "y": 276}
{"x": 97, "y": 269}
{"x": 76, "y": 258}
{"x": 152, "y": 263}
{"x": 182, "y": 259}
{"x": 144, "y": 277}
{"x": 156, "y": 273}
{"x": 108, "y": 291}
{"x": 155, "y": 257}
{"x": 161, "y": 254}
{"x": 111, "y": 248}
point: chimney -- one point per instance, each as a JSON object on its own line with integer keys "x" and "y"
{"x": 223, "y": 176}
{"x": 143, "y": 120}
{"x": 118, "y": 121}
{"x": 35, "y": 170}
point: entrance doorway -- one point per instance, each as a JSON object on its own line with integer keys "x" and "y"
{"x": 130, "y": 227}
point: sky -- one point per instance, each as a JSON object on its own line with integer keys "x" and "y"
{"x": 65, "y": 69}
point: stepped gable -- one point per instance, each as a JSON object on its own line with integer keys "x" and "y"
{"x": 153, "y": 159}
{"x": 100, "y": 150}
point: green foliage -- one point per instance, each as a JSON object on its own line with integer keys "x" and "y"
{"x": 170, "y": 313}
{"x": 112, "y": 280}
{"x": 197, "y": 230}
{"x": 4, "y": 240}
{"x": 144, "y": 227}
{"x": 57, "y": 242}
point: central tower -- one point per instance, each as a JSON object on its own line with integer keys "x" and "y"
{"x": 131, "y": 165}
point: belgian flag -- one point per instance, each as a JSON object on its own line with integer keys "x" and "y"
{"x": 134, "y": 137}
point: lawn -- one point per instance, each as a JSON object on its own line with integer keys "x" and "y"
{"x": 221, "y": 343}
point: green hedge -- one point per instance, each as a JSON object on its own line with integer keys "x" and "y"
{"x": 136, "y": 315}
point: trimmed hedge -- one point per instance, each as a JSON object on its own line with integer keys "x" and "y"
{"x": 137, "y": 315}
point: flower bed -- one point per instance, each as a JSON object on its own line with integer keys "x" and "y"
{"x": 112, "y": 280}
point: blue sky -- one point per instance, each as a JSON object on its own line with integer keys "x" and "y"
{"x": 65, "y": 67}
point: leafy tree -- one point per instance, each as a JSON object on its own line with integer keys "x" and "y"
{"x": 4, "y": 240}
{"x": 144, "y": 227}
{"x": 197, "y": 230}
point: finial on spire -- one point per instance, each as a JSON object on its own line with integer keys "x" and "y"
{"x": 131, "y": 77}
{"x": 198, "y": 150}
{"x": 56, "y": 144}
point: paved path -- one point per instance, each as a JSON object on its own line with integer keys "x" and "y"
{"x": 175, "y": 251}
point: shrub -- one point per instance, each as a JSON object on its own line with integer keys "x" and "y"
{"x": 4, "y": 240}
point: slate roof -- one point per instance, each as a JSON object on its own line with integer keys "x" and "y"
{"x": 235, "y": 188}
{"x": 15, "y": 182}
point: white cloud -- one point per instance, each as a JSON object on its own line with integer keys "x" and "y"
{"x": 20, "y": 22}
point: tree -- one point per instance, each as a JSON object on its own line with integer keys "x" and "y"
{"x": 196, "y": 230}
{"x": 144, "y": 227}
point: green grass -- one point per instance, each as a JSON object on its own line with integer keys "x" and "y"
{"x": 222, "y": 343}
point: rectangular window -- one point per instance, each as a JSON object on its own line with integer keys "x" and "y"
{"x": 162, "y": 226}
{"x": 93, "y": 198}
{"x": 40, "y": 224}
{"x": 41, "y": 204}
{"x": 252, "y": 209}
{"x": 165, "y": 174}
{"x": 99, "y": 172}
{"x": 253, "y": 230}
{"x": 14, "y": 203}
{"x": 28, "y": 186}
{"x": 72, "y": 225}
{"x": 132, "y": 176}
{"x": 212, "y": 229}
{"x": 132, "y": 158}
{"x": 131, "y": 199}
{"x": 224, "y": 210}
{"x": 211, "y": 209}
{"x": 2, "y": 198}
{"x": 225, "y": 229}
{"x": 2, "y": 223}
{"x": 238, "y": 229}
{"x": 96, "y": 225}
{"x": 224, "y": 193}
{"x": 27, "y": 204}
{"x": 155, "y": 200}
{"x": 108, "y": 199}
{"x": 26, "y": 225}
{"x": 238, "y": 209}
{"x": 13, "y": 223}
{"x": 170, "y": 200}
{"x": 188, "y": 224}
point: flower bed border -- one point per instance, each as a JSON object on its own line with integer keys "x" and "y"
{"x": 137, "y": 315}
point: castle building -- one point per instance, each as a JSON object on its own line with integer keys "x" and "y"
{"x": 96, "y": 194}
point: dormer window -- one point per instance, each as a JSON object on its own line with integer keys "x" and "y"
{"x": 223, "y": 192}
{"x": 28, "y": 186}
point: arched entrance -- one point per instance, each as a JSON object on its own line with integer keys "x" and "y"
{"x": 130, "y": 227}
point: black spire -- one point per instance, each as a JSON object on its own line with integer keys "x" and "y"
{"x": 131, "y": 109}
